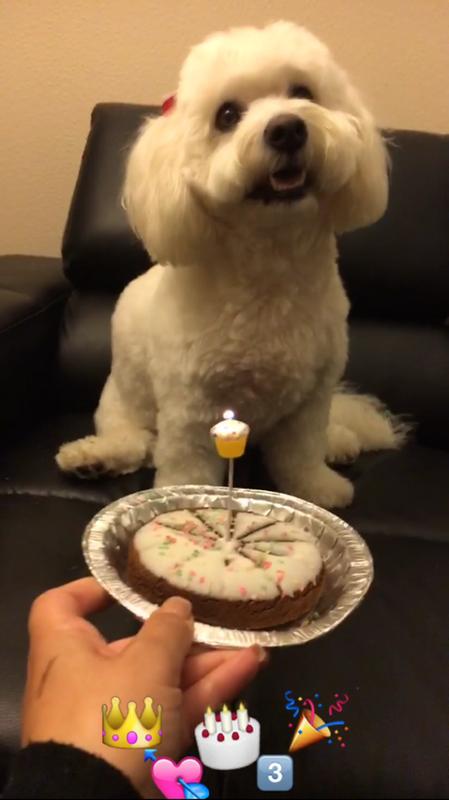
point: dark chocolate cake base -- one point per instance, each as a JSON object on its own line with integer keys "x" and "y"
{"x": 240, "y": 614}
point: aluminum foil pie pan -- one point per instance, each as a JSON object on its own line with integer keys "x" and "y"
{"x": 347, "y": 560}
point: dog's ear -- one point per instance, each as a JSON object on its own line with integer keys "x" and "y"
{"x": 363, "y": 199}
{"x": 156, "y": 197}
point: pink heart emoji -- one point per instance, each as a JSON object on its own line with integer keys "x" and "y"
{"x": 165, "y": 774}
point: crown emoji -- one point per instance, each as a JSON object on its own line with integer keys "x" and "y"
{"x": 133, "y": 732}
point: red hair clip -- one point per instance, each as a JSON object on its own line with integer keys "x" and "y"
{"x": 168, "y": 104}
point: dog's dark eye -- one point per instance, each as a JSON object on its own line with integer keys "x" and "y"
{"x": 301, "y": 91}
{"x": 228, "y": 116}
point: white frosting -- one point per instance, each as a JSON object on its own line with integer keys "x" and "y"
{"x": 263, "y": 561}
{"x": 230, "y": 429}
{"x": 230, "y": 753}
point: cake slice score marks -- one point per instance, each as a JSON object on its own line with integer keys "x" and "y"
{"x": 265, "y": 559}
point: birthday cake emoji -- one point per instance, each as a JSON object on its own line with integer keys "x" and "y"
{"x": 228, "y": 740}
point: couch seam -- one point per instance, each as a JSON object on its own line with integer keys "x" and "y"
{"x": 35, "y": 314}
{"x": 11, "y": 492}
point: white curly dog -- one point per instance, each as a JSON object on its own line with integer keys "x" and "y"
{"x": 238, "y": 192}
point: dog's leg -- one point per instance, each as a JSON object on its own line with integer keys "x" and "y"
{"x": 184, "y": 452}
{"x": 124, "y": 440}
{"x": 295, "y": 451}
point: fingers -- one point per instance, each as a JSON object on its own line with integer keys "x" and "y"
{"x": 197, "y": 666}
{"x": 63, "y": 604}
{"x": 63, "y": 610}
{"x": 114, "y": 648}
{"x": 226, "y": 681}
{"x": 166, "y": 638}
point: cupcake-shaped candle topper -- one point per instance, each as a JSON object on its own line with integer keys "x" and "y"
{"x": 230, "y": 437}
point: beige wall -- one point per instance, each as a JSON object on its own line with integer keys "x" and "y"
{"x": 59, "y": 57}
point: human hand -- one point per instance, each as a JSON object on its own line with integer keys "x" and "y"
{"x": 73, "y": 671}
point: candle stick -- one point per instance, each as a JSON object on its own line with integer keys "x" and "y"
{"x": 230, "y": 488}
{"x": 226, "y": 720}
{"x": 209, "y": 720}
{"x": 230, "y": 436}
{"x": 242, "y": 717}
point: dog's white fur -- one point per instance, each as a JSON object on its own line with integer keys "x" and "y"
{"x": 246, "y": 308}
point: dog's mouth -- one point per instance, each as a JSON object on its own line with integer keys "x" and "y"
{"x": 285, "y": 185}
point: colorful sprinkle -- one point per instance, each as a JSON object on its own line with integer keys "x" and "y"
{"x": 266, "y": 564}
{"x": 243, "y": 591}
{"x": 202, "y": 579}
{"x": 280, "y": 575}
{"x": 343, "y": 745}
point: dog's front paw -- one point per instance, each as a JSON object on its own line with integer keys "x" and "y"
{"x": 325, "y": 488}
{"x": 82, "y": 458}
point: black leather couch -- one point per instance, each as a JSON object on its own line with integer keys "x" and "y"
{"x": 391, "y": 656}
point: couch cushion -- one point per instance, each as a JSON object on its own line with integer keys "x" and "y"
{"x": 85, "y": 349}
{"x": 33, "y": 292}
{"x": 399, "y": 267}
{"x": 28, "y": 466}
{"x": 400, "y": 493}
{"x": 99, "y": 249}
{"x": 405, "y": 364}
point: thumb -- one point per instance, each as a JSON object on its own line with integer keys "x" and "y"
{"x": 164, "y": 640}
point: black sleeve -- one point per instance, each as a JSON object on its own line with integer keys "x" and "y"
{"x": 51, "y": 770}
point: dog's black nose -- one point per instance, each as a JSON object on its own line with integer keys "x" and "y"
{"x": 286, "y": 133}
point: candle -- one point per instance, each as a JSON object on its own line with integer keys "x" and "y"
{"x": 242, "y": 717}
{"x": 209, "y": 720}
{"x": 226, "y": 720}
{"x": 230, "y": 436}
